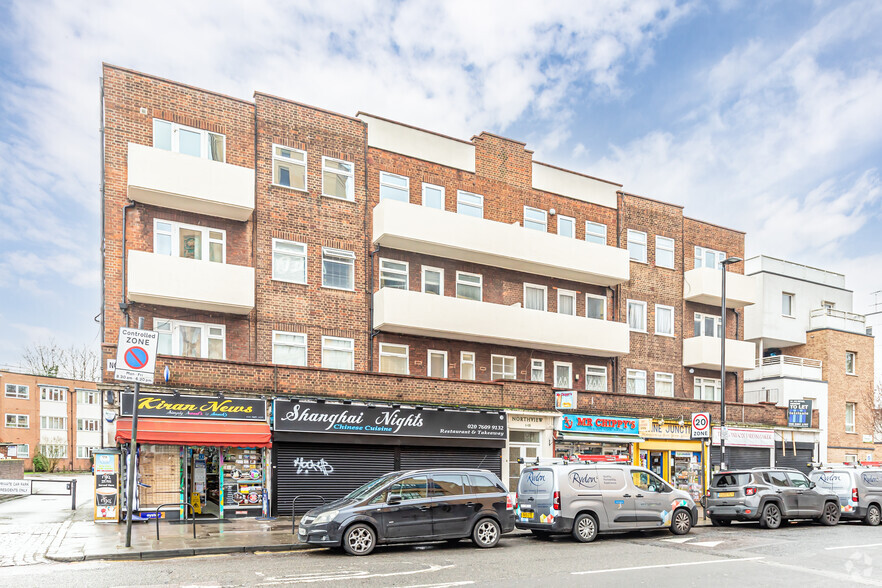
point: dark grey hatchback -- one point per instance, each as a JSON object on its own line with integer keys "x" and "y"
{"x": 417, "y": 505}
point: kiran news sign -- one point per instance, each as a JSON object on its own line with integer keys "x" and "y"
{"x": 168, "y": 406}
{"x": 135, "y": 355}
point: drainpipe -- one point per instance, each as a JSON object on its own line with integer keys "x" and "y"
{"x": 371, "y": 332}
{"x": 254, "y": 239}
{"x": 369, "y": 258}
{"x": 737, "y": 322}
{"x": 101, "y": 189}
{"x": 618, "y": 289}
{"x": 123, "y": 305}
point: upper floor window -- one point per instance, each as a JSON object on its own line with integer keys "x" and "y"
{"x": 433, "y": 280}
{"x": 595, "y": 378}
{"x": 88, "y": 425}
{"x": 537, "y": 370}
{"x": 189, "y": 241}
{"x": 289, "y": 348}
{"x": 664, "y": 384}
{"x": 595, "y": 306}
{"x": 636, "y": 382}
{"x": 88, "y": 397}
{"x": 664, "y": 320}
{"x": 566, "y": 302}
{"x": 566, "y": 226}
{"x": 563, "y": 375}
{"x": 595, "y": 232}
{"x": 338, "y": 179}
{"x": 711, "y": 258}
{"x": 17, "y": 421}
{"x": 393, "y": 274}
{"x": 470, "y": 204}
{"x": 433, "y": 196}
{"x": 850, "y": 363}
{"x": 707, "y": 389}
{"x": 535, "y": 297}
{"x": 289, "y": 261}
{"x": 17, "y": 391}
{"x": 467, "y": 365}
{"x": 180, "y": 139}
{"x": 393, "y": 359}
{"x": 338, "y": 353}
{"x": 708, "y": 325}
{"x": 469, "y": 286}
{"x": 850, "y": 408}
{"x": 338, "y": 269}
{"x": 190, "y": 339}
{"x": 53, "y": 423}
{"x": 289, "y": 167}
{"x": 637, "y": 245}
{"x": 53, "y": 394}
{"x": 786, "y": 304}
{"x": 535, "y": 219}
{"x": 436, "y": 364}
{"x": 503, "y": 367}
{"x": 637, "y": 315}
{"x": 394, "y": 187}
{"x": 664, "y": 252}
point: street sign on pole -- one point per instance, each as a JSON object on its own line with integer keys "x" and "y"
{"x": 700, "y": 425}
{"x": 135, "y": 355}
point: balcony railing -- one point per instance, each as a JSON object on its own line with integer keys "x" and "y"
{"x": 785, "y": 366}
{"x": 704, "y": 353}
{"x": 704, "y": 285}
{"x": 756, "y": 396}
{"x": 446, "y": 317}
{"x": 830, "y": 318}
{"x": 420, "y": 229}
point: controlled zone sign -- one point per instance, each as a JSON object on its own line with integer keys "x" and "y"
{"x": 700, "y": 425}
{"x": 136, "y": 355}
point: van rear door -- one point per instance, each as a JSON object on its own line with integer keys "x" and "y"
{"x": 535, "y": 494}
{"x": 837, "y": 481}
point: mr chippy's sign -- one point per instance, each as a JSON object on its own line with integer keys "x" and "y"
{"x": 194, "y": 407}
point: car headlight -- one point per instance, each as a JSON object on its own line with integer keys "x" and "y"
{"x": 325, "y": 517}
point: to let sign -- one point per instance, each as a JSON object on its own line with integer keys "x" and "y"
{"x": 799, "y": 414}
{"x": 135, "y": 355}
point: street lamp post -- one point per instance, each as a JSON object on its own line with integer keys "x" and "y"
{"x": 724, "y": 264}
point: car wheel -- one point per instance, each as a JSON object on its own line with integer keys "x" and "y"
{"x": 486, "y": 533}
{"x": 681, "y": 522}
{"x": 831, "y": 514}
{"x": 771, "y": 516}
{"x": 359, "y": 539}
{"x": 874, "y": 515}
{"x": 715, "y": 522}
{"x": 585, "y": 528}
{"x": 540, "y": 534}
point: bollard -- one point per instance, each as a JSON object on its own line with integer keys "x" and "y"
{"x": 73, "y": 494}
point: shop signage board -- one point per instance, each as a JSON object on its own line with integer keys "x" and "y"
{"x": 652, "y": 429}
{"x": 700, "y": 425}
{"x": 799, "y": 414}
{"x": 589, "y": 423}
{"x": 107, "y": 501}
{"x": 745, "y": 437}
{"x": 168, "y": 406}
{"x": 301, "y": 416}
{"x": 565, "y": 399}
{"x": 15, "y": 486}
{"x": 135, "y": 355}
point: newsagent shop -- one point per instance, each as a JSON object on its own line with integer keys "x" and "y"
{"x": 208, "y": 451}
{"x": 323, "y": 450}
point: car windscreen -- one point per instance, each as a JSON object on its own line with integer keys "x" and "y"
{"x": 536, "y": 482}
{"x": 838, "y": 482}
{"x": 368, "y": 489}
{"x": 730, "y": 480}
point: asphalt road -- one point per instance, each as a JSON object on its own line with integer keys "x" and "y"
{"x": 801, "y": 554}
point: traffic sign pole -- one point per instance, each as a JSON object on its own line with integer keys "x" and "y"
{"x": 133, "y": 449}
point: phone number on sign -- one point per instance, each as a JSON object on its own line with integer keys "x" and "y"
{"x": 487, "y": 427}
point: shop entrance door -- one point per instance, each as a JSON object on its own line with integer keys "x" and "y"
{"x": 522, "y": 445}
{"x": 657, "y": 462}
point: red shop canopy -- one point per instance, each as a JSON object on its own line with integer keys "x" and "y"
{"x": 196, "y": 432}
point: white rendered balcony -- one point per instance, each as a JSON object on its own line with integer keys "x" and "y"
{"x": 704, "y": 353}
{"x": 784, "y": 366}
{"x": 420, "y": 229}
{"x": 830, "y": 318}
{"x": 188, "y": 283}
{"x": 184, "y": 182}
{"x": 704, "y": 285}
{"x": 446, "y": 317}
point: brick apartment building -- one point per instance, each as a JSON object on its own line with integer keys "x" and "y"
{"x": 283, "y": 251}
{"x": 56, "y": 416}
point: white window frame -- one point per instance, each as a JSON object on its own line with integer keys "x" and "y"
{"x": 596, "y": 297}
{"x": 304, "y": 345}
{"x": 291, "y": 162}
{"x": 634, "y": 237}
{"x": 544, "y": 296}
{"x": 23, "y": 454}
{"x": 84, "y": 449}
{"x": 700, "y": 318}
{"x": 176, "y": 143}
{"x": 53, "y": 423}
{"x": 395, "y": 272}
{"x": 385, "y": 183}
{"x": 792, "y": 297}
{"x": 385, "y": 351}
{"x": 304, "y": 255}
{"x": 569, "y": 366}
{"x": 90, "y": 396}
{"x": 637, "y": 376}
{"x": 480, "y": 284}
{"x": 440, "y": 271}
{"x": 853, "y": 356}
{"x": 665, "y": 244}
{"x": 17, "y": 391}
{"x": 433, "y": 187}
{"x": 468, "y": 358}
{"x": 175, "y": 235}
{"x": 597, "y": 369}
{"x": 700, "y": 253}
{"x": 340, "y": 255}
{"x": 495, "y": 375}
{"x": 699, "y": 385}
{"x": 560, "y": 220}
{"x": 673, "y": 320}
{"x": 328, "y": 343}
{"x": 18, "y": 420}
{"x": 350, "y": 185}
{"x": 565, "y": 294}
{"x": 53, "y": 394}
{"x": 429, "y": 353}
{"x": 540, "y": 225}
{"x": 850, "y": 427}
{"x": 664, "y": 377}
{"x": 53, "y": 451}
{"x": 89, "y": 425}
{"x": 173, "y": 332}
{"x": 537, "y": 364}
{"x": 461, "y": 204}
{"x": 638, "y": 303}
{"x": 592, "y": 230}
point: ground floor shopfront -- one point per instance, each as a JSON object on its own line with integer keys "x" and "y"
{"x": 530, "y": 437}
{"x": 324, "y": 450}
{"x": 594, "y": 437}
{"x": 754, "y": 448}
{"x": 667, "y": 448}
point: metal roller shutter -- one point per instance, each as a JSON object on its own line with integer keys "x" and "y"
{"x": 449, "y": 457}
{"x": 328, "y": 470}
{"x": 742, "y": 458}
{"x": 804, "y": 456}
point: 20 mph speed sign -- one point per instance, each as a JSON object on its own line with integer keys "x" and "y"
{"x": 700, "y": 425}
{"x": 136, "y": 355}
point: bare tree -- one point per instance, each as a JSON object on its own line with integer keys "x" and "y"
{"x": 43, "y": 359}
{"x": 81, "y": 363}
{"x": 50, "y": 359}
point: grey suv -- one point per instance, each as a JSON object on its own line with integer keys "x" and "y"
{"x": 770, "y": 496}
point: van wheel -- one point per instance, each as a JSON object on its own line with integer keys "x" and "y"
{"x": 831, "y": 514}
{"x": 681, "y": 522}
{"x": 771, "y": 516}
{"x": 359, "y": 539}
{"x": 874, "y": 516}
{"x": 486, "y": 533}
{"x": 585, "y": 528}
{"x": 715, "y": 522}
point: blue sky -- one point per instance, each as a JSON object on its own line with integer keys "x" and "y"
{"x": 765, "y": 117}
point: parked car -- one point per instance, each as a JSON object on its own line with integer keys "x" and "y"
{"x": 587, "y": 499}
{"x": 416, "y": 505}
{"x": 859, "y": 490}
{"x": 770, "y": 496}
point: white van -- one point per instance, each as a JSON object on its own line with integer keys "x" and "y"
{"x": 859, "y": 490}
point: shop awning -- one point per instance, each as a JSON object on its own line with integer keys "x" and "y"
{"x": 196, "y": 432}
{"x": 599, "y": 438}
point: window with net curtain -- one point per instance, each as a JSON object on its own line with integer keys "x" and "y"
{"x": 338, "y": 353}
{"x": 289, "y": 261}
{"x": 289, "y": 348}
{"x": 664, "y": 320}
{"x": 393, "y": 358}
{"x": 636, "y": 315}
{"x": 595, "y": 378}
{"x": 566, "y": 302}
{"x": 636, "y": 382}
{"x": 534, "y": 297}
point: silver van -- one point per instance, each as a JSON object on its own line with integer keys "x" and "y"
{"x": 587, "y": 499}
{"x": 859, "y": 490}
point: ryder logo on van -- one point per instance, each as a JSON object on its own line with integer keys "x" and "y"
{"x": 583, "y": 480}
{"x": 536, "y": 478}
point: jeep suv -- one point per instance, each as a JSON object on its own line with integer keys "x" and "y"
{"x": 770, "y": 496}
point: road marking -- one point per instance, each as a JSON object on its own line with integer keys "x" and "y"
{"x": 854, "y": 546}
{"x": 679, "y": 539}
{"x": 442, "y": 585}
{"x": 346, "y": 575}
{"x": 707, "y": 543}
{"x": 670, "y": 565}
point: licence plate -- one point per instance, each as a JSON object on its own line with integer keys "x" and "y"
{"x": 726, "y": 495}
{"x": 526, "y": 515}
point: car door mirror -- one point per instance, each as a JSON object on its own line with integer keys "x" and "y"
{"x": 393, "y": 499}
{"x": 812, "y": 485}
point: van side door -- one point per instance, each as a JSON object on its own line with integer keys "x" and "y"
{"x": 618, "y": 499}
{"x": 652, "y": 499}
